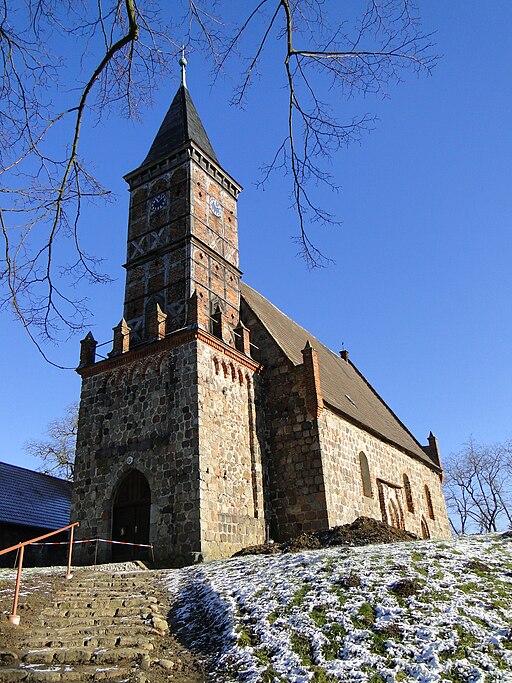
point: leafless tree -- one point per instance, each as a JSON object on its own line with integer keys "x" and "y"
{"x": 57, "y": 452}
{"x": 122, "y": 49}
{"x": 478, "y": 488}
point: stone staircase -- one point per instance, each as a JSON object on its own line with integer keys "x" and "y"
{"x": 99, "y": 626}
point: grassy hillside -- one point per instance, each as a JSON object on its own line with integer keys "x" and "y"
{"x": 421, "y": 611}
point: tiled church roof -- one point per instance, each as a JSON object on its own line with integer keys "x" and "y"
{"x": 33, "y": 499}
{"x": 180, "y": 125}
{"x": 343, "y": 386}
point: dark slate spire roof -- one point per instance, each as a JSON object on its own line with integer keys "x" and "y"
{"x": 343, "y": 386}
{"x": 33, "y": 499}
{"x": 180, "y": 125}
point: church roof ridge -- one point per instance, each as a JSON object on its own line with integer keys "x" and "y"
{"x": 181, "y": 125}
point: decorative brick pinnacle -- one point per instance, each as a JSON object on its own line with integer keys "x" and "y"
{"x": 314, "y": 399}
{"x": 157, "y": 324}
{"x": 243, "y": 338}
{"x": 87, "y": 350}
{"x": 121, "y": 338}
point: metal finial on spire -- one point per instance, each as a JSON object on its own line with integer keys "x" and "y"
{"x": 183, "y": 64}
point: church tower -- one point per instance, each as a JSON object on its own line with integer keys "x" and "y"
{"x": 182, "y": 256}
{"x": 168, "y": 452}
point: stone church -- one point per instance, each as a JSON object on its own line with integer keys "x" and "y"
{"x": 216, "y": 422}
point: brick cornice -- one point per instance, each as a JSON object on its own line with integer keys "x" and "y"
{"x": 185, "y": 153}
{"x": 229, "y": 351}
{"x": 171, "y": 341}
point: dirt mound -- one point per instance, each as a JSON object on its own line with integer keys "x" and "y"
{"x": 263, "y": 549}
{"x": 406, "y": 587}
{"x": 362, "y": 531}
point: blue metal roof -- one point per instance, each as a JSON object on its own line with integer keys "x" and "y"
{"x": 33, "y": 499}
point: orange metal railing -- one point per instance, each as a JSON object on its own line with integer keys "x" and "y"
{"x": 14, "y": 618}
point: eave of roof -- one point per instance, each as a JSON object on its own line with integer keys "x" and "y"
{"x": 344, "y": 388}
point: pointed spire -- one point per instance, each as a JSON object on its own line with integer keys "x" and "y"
{"x": 180, "y": 125}
{"x": 183, "y": 64}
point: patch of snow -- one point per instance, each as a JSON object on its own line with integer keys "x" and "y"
{"x": 294, "y": 617}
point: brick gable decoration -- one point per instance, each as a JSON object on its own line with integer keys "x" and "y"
{"x": 237, "y": 421}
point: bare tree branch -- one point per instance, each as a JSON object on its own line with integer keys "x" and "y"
{"x": 124, "y": 48}
{"x": 383, "y": 41}
{"x": 479, "y": 488}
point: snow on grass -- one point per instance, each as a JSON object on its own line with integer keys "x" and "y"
{"x": 424, "y": 611}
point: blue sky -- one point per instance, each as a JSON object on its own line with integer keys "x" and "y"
{"x": 420, "y": 289}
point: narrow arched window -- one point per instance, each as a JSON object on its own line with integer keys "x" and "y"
{"x": 408, "y": 494}
{"x": 425, "y": 532}
{"x": 428, "y": 500}
{"x": 365, "y": 475}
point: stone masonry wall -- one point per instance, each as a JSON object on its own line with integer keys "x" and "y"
{"x": 232, "y": 511}
{"x": 142, "y": 415}
{"x": 296, "y": 490}
{"x": 342, "y": 442}
{"x": 297, "y": 482}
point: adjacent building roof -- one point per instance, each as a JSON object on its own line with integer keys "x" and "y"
{"x": 33, "y": 499}
{"x": 180, "y": 125}
{"x": 343, "y": 386}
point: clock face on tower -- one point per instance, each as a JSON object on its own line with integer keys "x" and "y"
{"x": 215, "y": 206}
{"x": 158, "y": 203}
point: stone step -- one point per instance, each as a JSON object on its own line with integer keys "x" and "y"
{"x": 94, "y": 641}
{"x": 102, "y": 595}
{"x": 108, "y": 623}
{"x": 99, "y": 612}
{"x": 121, "y": 629}
{"x": 103, "y": 590}
{"x": 106, "y": 585}
{"x": 80, "y": 655}
{"x": 48, "y": 624}
{"x": 67, "y": 674}
{"x": 92, "y": 603}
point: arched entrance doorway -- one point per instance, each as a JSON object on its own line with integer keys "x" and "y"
{"x": 130, "y": 518}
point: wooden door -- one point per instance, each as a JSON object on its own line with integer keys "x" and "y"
{"x": 130, "y": 522}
